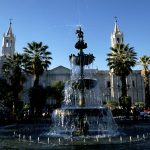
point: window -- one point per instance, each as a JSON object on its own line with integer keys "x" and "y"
{"x": 118, "y": 40}
{"x": 108, "y": 84}
{"x": 7, "y": 43}
{"x": 133, "y": 83}
{"x": 11, "y": 43}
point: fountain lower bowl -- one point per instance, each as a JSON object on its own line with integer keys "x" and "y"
{"x": 79, "y": 121}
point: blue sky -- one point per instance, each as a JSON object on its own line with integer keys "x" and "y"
{"x": 54, "y": 23}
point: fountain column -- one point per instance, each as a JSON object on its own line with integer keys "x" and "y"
{"x": 80, "y": 45}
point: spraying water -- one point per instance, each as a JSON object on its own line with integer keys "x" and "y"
{"x": 82, "y": 112}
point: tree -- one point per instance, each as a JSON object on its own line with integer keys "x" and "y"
{"x": 120, "y": 60}
{"x": 111, "y": 104}
{"x": 13, "y": 73}
{"x": 37, "y": 59}
{"x": 37, "y": 96}
{"x": 55, "y": 91}
{"x": 126, "y": 103}
{"x": 58, "y": 86}
{"x": 145, "y": 62}
{"x": 5, "y": 94}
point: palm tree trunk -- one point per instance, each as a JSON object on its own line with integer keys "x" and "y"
{"x": 124, "y": 86}
{"x": 15, "y": 100}
{"x": 147, "y": 93}
{"x": 36, "y": 80}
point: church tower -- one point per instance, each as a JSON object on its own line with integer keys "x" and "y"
{"x": 117, "y": 36}
{"x": 8, "y": 43}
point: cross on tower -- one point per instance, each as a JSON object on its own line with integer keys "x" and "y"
{"x": 116, "y": 19}
{"x": 10, "y": 21}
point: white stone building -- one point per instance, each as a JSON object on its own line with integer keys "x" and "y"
{"x": 109, "y": 84}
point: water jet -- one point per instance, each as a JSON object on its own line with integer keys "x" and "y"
{"x": 82, "y": 112}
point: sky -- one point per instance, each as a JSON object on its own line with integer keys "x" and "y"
{"x": 54, "y": 22}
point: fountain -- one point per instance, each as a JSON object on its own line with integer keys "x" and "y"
{"x": 82, "y": 122}
{"x": 82, "y": 112}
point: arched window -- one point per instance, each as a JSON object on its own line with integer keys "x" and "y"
{"x": 133, "y": 83}
{"x": 108, "y": 84}
{"x": 11, "y": 43}
{"x": 118, "y": 40}
{"x": 7, "y": 43}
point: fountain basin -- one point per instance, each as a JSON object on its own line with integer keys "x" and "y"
{"x": 91, "y": 120}
{"x": 137, "y": 136}
{"x": 87, "y": 83}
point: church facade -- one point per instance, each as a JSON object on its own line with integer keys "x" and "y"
{"x": 109, "y": 84}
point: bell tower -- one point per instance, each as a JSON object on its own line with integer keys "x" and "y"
{"x": 117, "y": 36}
{"x": 8, "y": 43}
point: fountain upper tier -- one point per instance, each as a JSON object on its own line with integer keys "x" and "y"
{"x": 81, "y": 59}
{"x": 80, "y": 44}
{"x": 85, "y": 59}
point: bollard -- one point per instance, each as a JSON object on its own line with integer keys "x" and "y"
{"x": 19, "y": 137}
{"x": 97, "y": 139}
{"x": 24, "y": 137}
{"x": 38, "y": 139}
{"x": 130, "y": 139}
{"x": 30, "y": 138}
{"x": 120, "y": 139}
{"x": 109, "y": 139}
{"x": 138, "y": 137}
{"x": 147, "y": 134}
{"x": 59, "y": 140}
{"x": 84, "y": 140}
{"x": 48, "y": 140}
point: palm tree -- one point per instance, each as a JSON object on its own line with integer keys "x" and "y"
{"x": 5, "y": 94}
{"x": 120, "y": 60}
{"x": 145, "y": 62}
{"x": 37, "y": 59}
{"x": 13, "y": 72}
